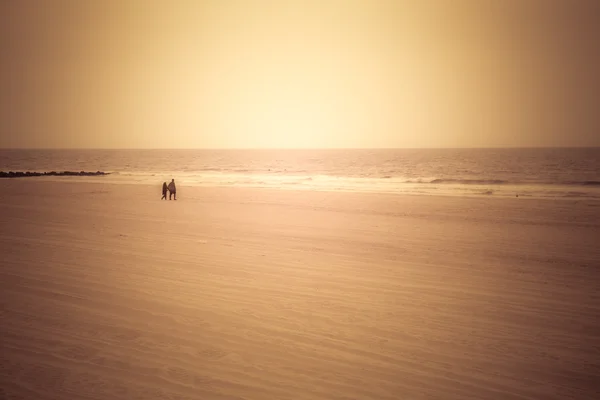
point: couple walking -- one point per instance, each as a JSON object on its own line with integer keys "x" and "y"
{"x": 171, "y": 188}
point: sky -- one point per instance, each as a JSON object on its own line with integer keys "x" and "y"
{"x": 301, "y": 74}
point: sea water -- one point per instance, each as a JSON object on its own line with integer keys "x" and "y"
{"x": 550, "y": 172}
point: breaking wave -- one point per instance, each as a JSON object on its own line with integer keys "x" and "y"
{"x": 470, "y": 181}
{"x": 501, "y": 182}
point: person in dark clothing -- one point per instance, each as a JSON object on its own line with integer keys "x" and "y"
{"x": 164, "y": 191}
{"x": 172, "y": 190}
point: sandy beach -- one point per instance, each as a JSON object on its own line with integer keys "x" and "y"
{"x": 110, "y": 293}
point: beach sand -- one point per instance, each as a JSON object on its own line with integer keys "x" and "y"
{"x": 231, "y": 293}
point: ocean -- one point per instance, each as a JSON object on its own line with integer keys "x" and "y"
{"x": 540, "y": 173}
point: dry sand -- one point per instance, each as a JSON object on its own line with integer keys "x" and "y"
{"x": 110, "y": 293}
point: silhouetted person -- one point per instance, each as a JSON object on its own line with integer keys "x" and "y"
{"x": 164, "y": 196}
{"x": 172, "y": 190}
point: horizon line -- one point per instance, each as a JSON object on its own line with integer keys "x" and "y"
{"x": 293, "y": 148}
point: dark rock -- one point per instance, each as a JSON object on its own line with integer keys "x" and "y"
{"x": 19, "y": 174}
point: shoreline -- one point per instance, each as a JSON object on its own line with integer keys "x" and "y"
{"x": 562, "y": 210}
{"x": 107, "y": 178}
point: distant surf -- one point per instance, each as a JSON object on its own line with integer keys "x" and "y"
{"x": 531, "y": 173}
{"x": 503, "y": 182}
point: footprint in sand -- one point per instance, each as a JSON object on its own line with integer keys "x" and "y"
{"x": 179, "y": 375}
{"x": 78, "y": 353}
{"x": 187, "y": 377}
{"x": 128, "y": 335}
{"x": 211, "y": 354}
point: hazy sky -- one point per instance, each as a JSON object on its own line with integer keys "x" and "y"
{"x": 181, "y": 74}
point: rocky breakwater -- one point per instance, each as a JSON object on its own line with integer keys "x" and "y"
{"x": 20, "y": 174}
